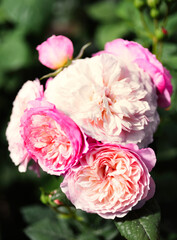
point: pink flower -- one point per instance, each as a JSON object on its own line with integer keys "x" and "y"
{"x": 55, "y": 51}
{"x": 111, "y": 180}
{"x": 110, "y": 100}
{"x": 52, "y": 139}
{"x": 132, "y": 51}
{"x": 18, "y": 153}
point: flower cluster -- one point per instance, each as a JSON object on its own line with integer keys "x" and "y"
{"x": 92, "y": 123}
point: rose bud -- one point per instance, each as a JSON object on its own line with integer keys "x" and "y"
{"x": 55, "y": 51}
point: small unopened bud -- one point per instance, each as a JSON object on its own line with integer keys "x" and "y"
{"x": 159, "y": 34}
{"x": 139, "y": 3}
{"x": 58, "y": 202}
{"x": 168, "y": 108}
{"x": 44, "y": 199}
{"x": 55, "y": 52}
{"x": 154, "y": 13}
{"x": 164, "y": 30}
{"x": 152, "y": 3}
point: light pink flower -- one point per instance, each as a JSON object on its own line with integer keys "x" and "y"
{"x": 55, "y": 51}
{"x": 18, "y": 153}
{"x": 52, "y": 139}
{"x": 110, "y": 100}
{"x": 111, "y": 180}
{"x": 132, "y": 51}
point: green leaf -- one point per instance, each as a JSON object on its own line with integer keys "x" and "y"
{"x": 126, "y": 10}
{"x": 171, "y": 62}
{"x": 10, "y": 83}
{"x": 169, "y": 49}
{"x": 107, "y": 231}
{"x": 173, "y": 106}
{"x": 141, "y": 224}
{"x": 109, "y": 32}
{"x": 35, "y": 213}
{"x": 3, "y": 15}
{"x": 46, "y": 224}
{"x": 102, "y": 11}
{"x": 52, "y": 183}
{"x": 28, "y": 14}
{"x": 144, "y": 41}
{"x": 14, "y": 51}
{"x": 171, "y": 24}
{"x": 87, "y": 236}
{"x": 46, "y": 230}
{"x": 2, "y": 79}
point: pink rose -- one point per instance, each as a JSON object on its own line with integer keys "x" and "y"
{"x": 111, "y": 180}
{"x": 52, "y": 139}
{"x": 132, "y": 51}
{"x": 18, "y": 153}
{"x": 112, "y": 101}
{"x": 55, "y": 51}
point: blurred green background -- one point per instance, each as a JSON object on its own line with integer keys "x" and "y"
{"x": 26, "y": 23}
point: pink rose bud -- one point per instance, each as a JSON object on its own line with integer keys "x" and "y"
{"x": 55, "y": 51}
{"x": 18, "y": 153}
{"x": 130, "y": 51}
{"x": 111, "y": 180}
{"x": 58, "y": 202}
{"x": 52, "y": 139}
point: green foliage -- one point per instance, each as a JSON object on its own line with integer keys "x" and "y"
{"x": 14, "y": 51}
{"x": 152, "y": 3}
{"x": 47, "y": 229}
{"x": 35, "y": 213}
{"x": 28, "y": 15}
{"x": 120, "y": 20}
{"x": 139, "y": 3}
{"x": 103, "y": 11}
{"x": 171, "y": 24}
{"x": 141, "y": 224}
{"x": 124, "y": 21}
{"x": 18, "y": 21}
{"x": 108, "y": 32}
{"x": 46, "y": 224}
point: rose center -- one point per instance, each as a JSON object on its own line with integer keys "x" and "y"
{"x": 47, "y": 137}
